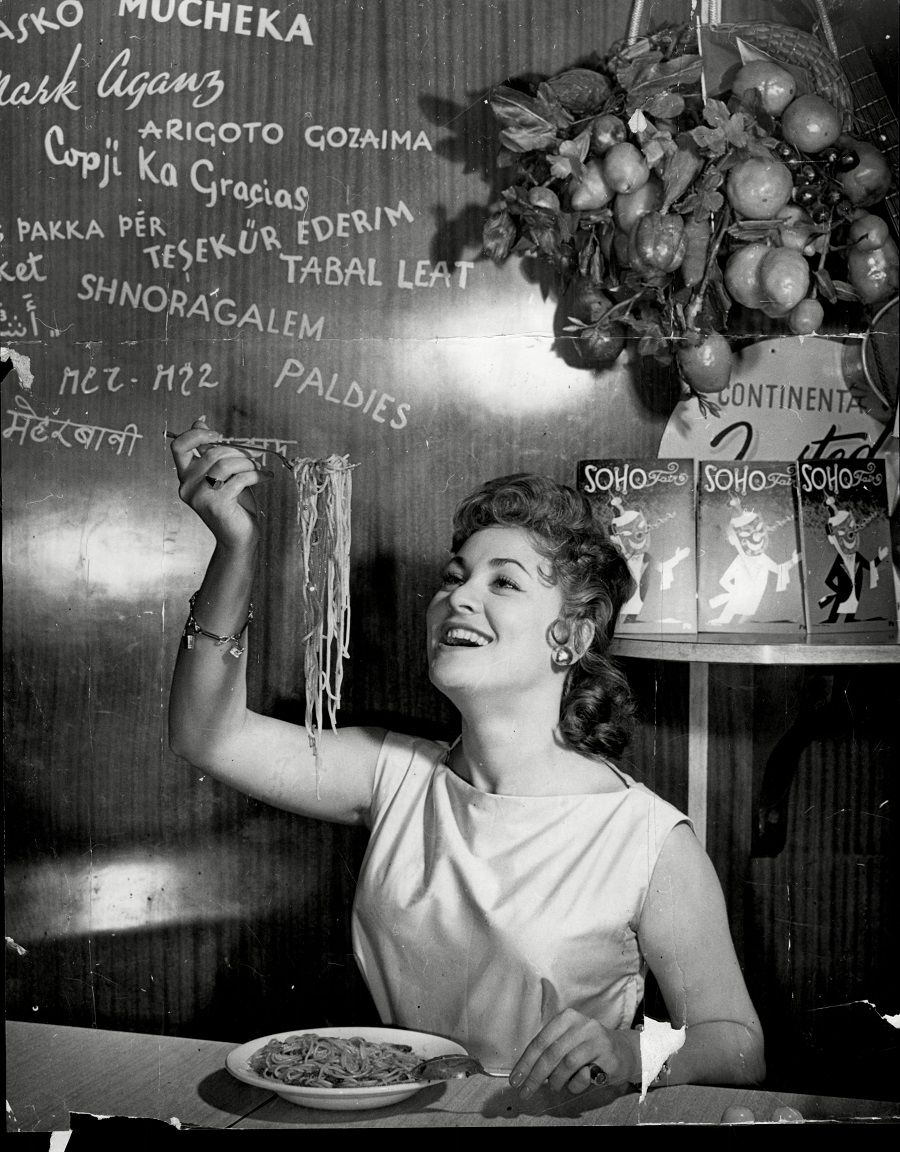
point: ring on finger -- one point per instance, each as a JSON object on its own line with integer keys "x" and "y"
{"x": 597, "y": 1075}
{"x": 213, "y": 483}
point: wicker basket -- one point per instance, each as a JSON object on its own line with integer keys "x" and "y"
{"x": 790, "y": 45}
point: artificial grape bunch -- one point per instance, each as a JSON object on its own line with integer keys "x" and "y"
{"x": 661, "y": 209}
{"x": 815, "y": 185}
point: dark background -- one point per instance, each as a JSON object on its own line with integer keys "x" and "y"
{"x": 146, "y": 896}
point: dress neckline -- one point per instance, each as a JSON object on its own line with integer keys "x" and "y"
{"x": 444, "y": 762}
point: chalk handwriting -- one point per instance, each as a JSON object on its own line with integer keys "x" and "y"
{"x": 427, "y": 276}
{"x": 170, "y": 377}
{"x": 324, "y": 227}
{"x": 141, "y": 225}
{"x": 331, "y": 271}
{"x": 85, "y": 162}
{"x": 377, "y": 406}
{"x": 251, "y": 194}
{"x": 200, "y": 250}
{"x": 185, "y": 372}
{"x": 11, "y": 327}
{"x": 212, "y": 15}
{"x": 57, "y": 230}
{"x": 168, "y": 173}
{"x": 67, "y": 14}
{"x": 175, "y": 302}
{"x": 207, "y": 88}
{"x": 269, "y": 444}
{"x": 26, "y": 423}
{"x": 43, "y": 94}
{"x": 206, "y": 132}
{"x": 115, "y": 82}
{"x": 75, "y": 382}
{"x": 22, "y": 272}
{"x": 334, "y": 271}
{"x": 320, "y": 137}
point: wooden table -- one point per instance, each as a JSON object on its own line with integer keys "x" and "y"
{"x": 53, "y": 1071}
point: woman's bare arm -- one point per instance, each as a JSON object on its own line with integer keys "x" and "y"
{"x": 209, "y": 721}
{"x": 685, "y": 937}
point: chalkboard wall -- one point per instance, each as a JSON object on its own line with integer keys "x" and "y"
{"x": 270, "y": 217}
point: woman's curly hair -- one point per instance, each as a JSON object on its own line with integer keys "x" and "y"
{"x": 597, "y": 708}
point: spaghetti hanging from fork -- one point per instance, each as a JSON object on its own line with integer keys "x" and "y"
{"x": 324, "y": 490}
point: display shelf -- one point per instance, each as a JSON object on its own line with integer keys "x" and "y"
{"x": 753, "y": 648}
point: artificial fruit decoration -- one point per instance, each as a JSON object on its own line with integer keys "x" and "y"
{"x": 678, "y": 205}
{"x": 707, "y": 365}
{"x": 658, "y": 241}
{"x": 869, "y": 180}
{"x": 591, "y": 191}
{"x": 607, "y": 130}
{"x": 874, "y": 273}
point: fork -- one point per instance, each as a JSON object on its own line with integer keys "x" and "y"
{"x": 234, "y": 443}
{"x": 449, "y": 1067}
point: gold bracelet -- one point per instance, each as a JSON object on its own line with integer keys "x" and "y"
{"x": 192, "y": 629}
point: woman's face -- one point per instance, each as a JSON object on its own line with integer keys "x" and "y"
{"x": 489, "y": 623}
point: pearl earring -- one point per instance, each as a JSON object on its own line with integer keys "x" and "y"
{"x": 563, "y": 656}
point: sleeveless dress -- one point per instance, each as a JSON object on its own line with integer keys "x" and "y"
{"x": 479, "y": 917}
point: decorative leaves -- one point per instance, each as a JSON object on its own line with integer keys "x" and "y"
{"x": 651, "y": 77}
{"x": 665, "y": 105}
{"x": 529, "y": 122}
{"x": 656, "y": 144}
{"x": 834, "y": 290}
{"x": 692, "y": 140}
{"x": 682, "y": 167}
{"x": 704, "y": 198}
{"x": 569, "y": 160}
{"x": 725, "y": 129}
{"x": 580, "y": 90}
{"x": 499, "y": 234}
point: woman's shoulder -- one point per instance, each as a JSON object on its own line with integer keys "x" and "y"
{"x": 405, "y": 763}
{"x": 660, "y": 815}
{"x": 407, "y": 746}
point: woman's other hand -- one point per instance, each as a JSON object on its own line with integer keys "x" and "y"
{"x": 215, "y": 480}
{"x": 564, "y": 1050}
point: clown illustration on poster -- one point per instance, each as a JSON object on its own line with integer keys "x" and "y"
{"x": 748, "y": 548}
{"x": 846, "y": 547}
{"x": 648, "y": 509}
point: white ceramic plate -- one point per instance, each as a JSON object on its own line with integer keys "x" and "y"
{"x": 337, "y": 1099}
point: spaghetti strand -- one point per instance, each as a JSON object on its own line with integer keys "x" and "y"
{"x": 324, "y": 490}
{"x": 313, "y": 1061}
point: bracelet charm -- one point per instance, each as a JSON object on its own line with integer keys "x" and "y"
{"x": 192, "y": 629}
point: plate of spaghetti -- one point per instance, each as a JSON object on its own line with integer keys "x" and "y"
{"x": 339, "y": 1068}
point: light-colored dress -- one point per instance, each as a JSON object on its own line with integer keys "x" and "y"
{"x": 480, "y": 917}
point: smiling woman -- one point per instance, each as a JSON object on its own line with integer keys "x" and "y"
{"x": 517, "y": 887}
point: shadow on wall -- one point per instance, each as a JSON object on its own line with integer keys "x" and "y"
{"x": 471, "y": 145}
{"x": 248, "y": 961}
{"x": 211, "y": 914}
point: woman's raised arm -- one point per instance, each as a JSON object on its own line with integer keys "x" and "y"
{"x": 685, "y": 937}
{"x": 209, "y": 722}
